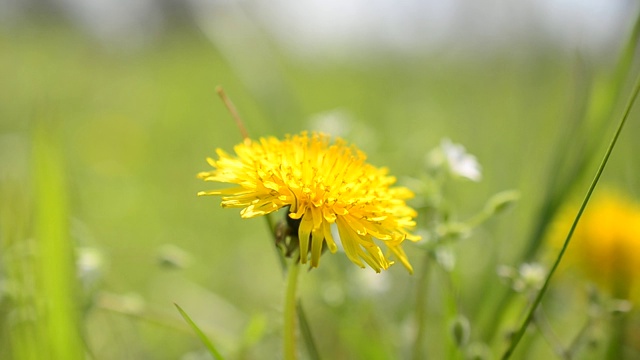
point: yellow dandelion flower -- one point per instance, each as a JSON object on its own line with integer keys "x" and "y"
{"x": 606, "y": 244}
{"x": 323, "y": 184}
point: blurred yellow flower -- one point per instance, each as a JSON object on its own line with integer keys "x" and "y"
{"x": 606, "y": 243}
{"x": 323, "y": 184}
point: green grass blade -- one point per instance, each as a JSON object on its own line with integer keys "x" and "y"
{"x": 305, "y": 330}
{"x": 57, "y": 287}
{"x": 520, "y": 333}
{"x": 567, "y": 169}
{"x": 205, "y": 340}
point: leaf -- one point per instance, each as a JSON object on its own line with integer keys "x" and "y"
{"x": 205, "y": 340}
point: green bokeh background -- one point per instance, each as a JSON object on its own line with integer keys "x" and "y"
{"x": 134, "y": 125}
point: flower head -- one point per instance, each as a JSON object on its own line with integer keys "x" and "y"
{"x": 606, "y": 242}
{"x": 456, "y": 158}
{"x": 323, "y": 184}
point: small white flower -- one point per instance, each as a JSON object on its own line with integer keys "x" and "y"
{"x": 531, "y": 276}
{"x": 446, "y": 258}
{"x": 528, "y": 277}
{"x": 90, "y": 265}
{"x": 459, "y": 161}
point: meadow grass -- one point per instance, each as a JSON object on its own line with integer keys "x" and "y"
{"x": 100, "y": 147}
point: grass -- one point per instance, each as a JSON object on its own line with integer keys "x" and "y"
{"x": 132, "y": 128}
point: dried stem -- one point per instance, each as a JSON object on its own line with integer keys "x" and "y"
{"x": 234, "y": 113}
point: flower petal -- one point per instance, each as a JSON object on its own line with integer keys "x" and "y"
{"x": 304, "y": 232}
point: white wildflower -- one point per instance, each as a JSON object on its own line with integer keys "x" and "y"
{"x": 460, "y": 162}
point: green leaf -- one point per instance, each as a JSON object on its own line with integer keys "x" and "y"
{"x": 58, "y": 324}
{"x": 205, "y": 340}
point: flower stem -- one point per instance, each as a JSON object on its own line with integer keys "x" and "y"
{"x": 289, "y": 326}
{"x": 520, "y": 333}
{"x": 305, "y": 328}
{"x": 617, "y": 338}
{"x": 420, "y": 310}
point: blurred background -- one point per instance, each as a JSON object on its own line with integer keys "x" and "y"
{"x": 108, "y": 110}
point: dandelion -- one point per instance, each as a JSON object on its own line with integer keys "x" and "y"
{"x": 322, "y": 183}
{"x": 606, "y": 243}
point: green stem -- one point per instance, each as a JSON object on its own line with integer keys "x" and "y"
{"x": 421, "y": 306}
{"x": 581, "y": 338}
{"x": 290, "y": 302}
{"x": 617, "y": 339}
{"x": 538, "y": 299}
{"x": 542, "y": 323}
{"x": 305, "y": 328}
